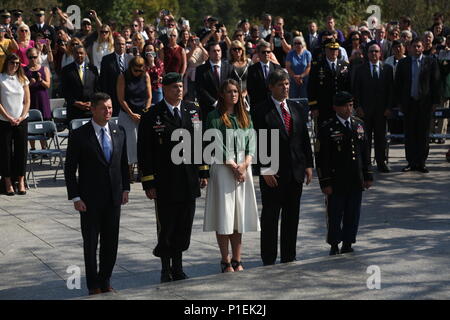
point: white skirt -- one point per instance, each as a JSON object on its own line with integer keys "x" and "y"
{"x": 131, "y": 129}
{"x": 230, "y": 205}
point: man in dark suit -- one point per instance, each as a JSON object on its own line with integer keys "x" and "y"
{"x": 258, "y": 75}
{"x": 373, "y": 89}
{"x": 111, "y": 67}
{"x": 343, "y": 167}
{"x": 312, "y": 37}
{"x": 209, "y": 76}
{"x": 79, "y": 81}
{"x": 328, "y": 76}
{"x": 98, "y": 150}
{"x": 282, "y": 185}
{"x": 417, "y": 91}
{"x": 173, "y": 183}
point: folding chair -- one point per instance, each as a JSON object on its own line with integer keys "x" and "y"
{"x": 57, "y": 103}
{"x": 34, "y": 115}
{"x": 441, "y": 113}
{"x": 76, "y": 123}
{"x": 60, "y": 118}
{"x": 48, "y": 130}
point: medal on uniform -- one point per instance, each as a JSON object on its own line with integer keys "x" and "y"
{"x": 159, "y": 128}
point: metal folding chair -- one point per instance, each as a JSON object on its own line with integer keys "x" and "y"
{"x": 57, "y": 103}
{"x": 48, "y": 130}
{"x": 60, "y": 118}
{"x": 76, "y": 123}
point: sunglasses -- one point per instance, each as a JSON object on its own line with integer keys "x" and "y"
{"x": 354, "y": 39}
{"x": 298, "y": 43}
{"x": 173, "y": 35}
{"x": 23, "y": 30}
{"x": 374, "y": 50}
{"x": 16, "y": 63}
{"x": 32, "y": 57}
{"x": 104, "y": 31}
{"x": 266, "y": 52}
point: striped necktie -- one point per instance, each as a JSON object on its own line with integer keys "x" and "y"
{"x": 287, "y": 118}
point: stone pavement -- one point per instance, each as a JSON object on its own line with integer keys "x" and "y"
{"x": 404, "y": 231}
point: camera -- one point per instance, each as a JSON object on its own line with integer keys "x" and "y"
{"x": 219, "y": 25}
{"x": 61, "y": 42}
{"x": 35, "y": 75}
{"x": 140, "y": 12}
{"x": 54, "y": 10}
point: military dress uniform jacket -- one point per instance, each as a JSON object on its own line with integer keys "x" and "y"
{"x": 173, "y": 182}
{"x": 324, "y": 84}
{"x": 342, "y": 156}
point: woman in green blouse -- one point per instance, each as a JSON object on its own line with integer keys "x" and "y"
{"x": 231, "y": 207}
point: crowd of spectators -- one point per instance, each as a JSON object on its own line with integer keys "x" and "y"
{"x": 50, "y": 43}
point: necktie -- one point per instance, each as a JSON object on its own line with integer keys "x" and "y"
{"x": 81, "y": 73}
{"x": 333, "y": 68}
{"x": 121, "y": 64}
{"x": 375, "y": 72}
{"x": 176, "y": 115}
{"x": 217, "y": 74}
{"x": 347, "y": 124}
{"x": 105, "y": 145}
{"x": 287, "y": 118}
{"x": 266, "y": 71}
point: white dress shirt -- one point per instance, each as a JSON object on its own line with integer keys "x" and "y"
{"x": 278, "y": 106}
{"x": 342, "y": 120}
{"x": 171, "y": 108}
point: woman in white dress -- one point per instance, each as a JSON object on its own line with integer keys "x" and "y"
{"x": 103, "y": 46}
{"x": 231, "y": 207}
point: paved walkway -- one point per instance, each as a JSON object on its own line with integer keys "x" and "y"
{"x": 404, "y": 230}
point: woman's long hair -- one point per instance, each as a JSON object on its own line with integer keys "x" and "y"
{"x": 137, "y": 61}
{"x": 109, "y": 40}
{"x": 20, "y": 73}
{"x": 242, "y": 116}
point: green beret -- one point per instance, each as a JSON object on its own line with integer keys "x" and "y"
{"x": 172, "y": 77}
{"x": 342, "y": 98}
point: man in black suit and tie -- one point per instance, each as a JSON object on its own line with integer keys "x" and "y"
{"x": 209, "y": 76}
{"x": 111, "y": 67}
{"x": 281, "y": 188}
{"x": 79, "y": 81}
{"x": 258, "y": 75}
{"x": 98, "y": 150}
{"x": 173, "y": 183}
{"x": 328, "y": 76}
{"x": 417, "y": 91}
{"x": 373, "y": 90}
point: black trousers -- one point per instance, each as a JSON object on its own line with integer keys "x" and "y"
{"x": 375, "y": 127}
{"x": 417, "y": 122}
{"x": 343, "y": 212}
{"x": 104, "y": 222}
{"x": 174, "y": 225}
{"x": 284, "y": 199}
{"x": 13, "y": 149}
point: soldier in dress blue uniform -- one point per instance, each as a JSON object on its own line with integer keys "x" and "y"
{"x": 344, "y": 170}
{"x": 173, "y": 186}
{"x": 328, "y": 76}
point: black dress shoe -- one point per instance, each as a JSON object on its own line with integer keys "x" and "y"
{"x": 408, "y": 168}
{"x": 347, "y": 248}
{"x": 179, "y": 275}
{"x": 384, "y": 168}
{"x": 423, "y": 169}
{"x": 334, "y": 250}
{"x": 166, "y": 276}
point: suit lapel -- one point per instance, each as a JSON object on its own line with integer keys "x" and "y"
{"x": 76, "y": 75}
{"x": 167, "y": 115}
{"x": 295, "y": 116}
{"x": 114, "y": 131}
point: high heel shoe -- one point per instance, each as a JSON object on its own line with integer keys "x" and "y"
{"x": 236, "y": 264}
{"x": 226, "y": 265}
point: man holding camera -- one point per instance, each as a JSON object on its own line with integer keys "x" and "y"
{"x": 280, "y": 40}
